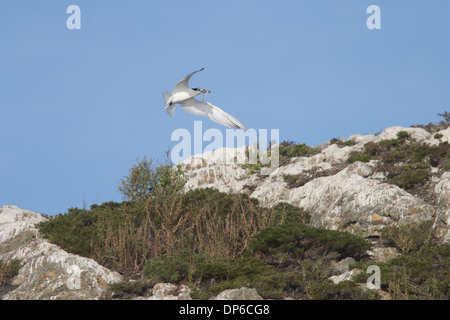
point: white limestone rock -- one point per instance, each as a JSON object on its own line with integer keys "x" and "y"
{"x": 169, "y": 291}
{"x": 239, "y": 294}
{"x": 48, "y": 272}
{"x": 362, "y": 139}
{"x": 442, "y": 190}
{"x": 14, "y": 220}
{"x": 435, "y": 141}
{"x": 418, "y": 134}
{"x": 348, "y": 275}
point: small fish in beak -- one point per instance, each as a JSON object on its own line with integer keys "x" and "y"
{"x": 205, "y": 91}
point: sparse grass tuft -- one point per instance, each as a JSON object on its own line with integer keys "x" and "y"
{"x": 8, "y": 270}
{"x": 289, "y": 149}
{"x": 421, "y": 275}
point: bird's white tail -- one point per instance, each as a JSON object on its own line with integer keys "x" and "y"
{"x": 168, "y": 104}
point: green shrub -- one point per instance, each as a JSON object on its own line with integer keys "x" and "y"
{"x": 445, "y": 115}
{"x": 296, "y": 240}
{"x": 405, "y": 162}
{"x": 438, "y": 136}
{"x": 8, "y": 270}
{"x": 123, "y": 236}
{"x": 74, "y": 230}
{"x": 390, "y": 144}
{"x": 208, "y": 276}
{"x": 212, "y": 275}
{"x": 145, "y": 180}
{"x": 207, "y": 268}
{"x": 307, "y": 281}
{"x": 362, "y": 157}
{"x": 410, "y": 238}
{"x": 410, "y": 176}
{"x": 296, "y": 150}
{"x": 402, "y": 135}
{"x": 289, "y": 149}
{"x": 345, "y": 290}
{"x": 342, "y": 142}
{"x": 252, "y": 168}
{"x": 130, "y": 289}
{"x": 287, "y": 213}
{"x": 168, "y": 268}
{"x": 420, "y": 275}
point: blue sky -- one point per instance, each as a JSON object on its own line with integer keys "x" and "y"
{"x": 78, "y": 107}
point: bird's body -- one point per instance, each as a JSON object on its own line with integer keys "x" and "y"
{"x": 185, "y": 97}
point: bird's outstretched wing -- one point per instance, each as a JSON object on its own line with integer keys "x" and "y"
{"x": 183, "y": 84}
{"x": 207, "y": 109}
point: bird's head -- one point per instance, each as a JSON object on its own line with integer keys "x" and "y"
{"x": 200, "y": 91}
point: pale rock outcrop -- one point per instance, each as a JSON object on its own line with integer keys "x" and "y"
{"x": 418, "y": 134}
{"x": 169, "y": 291}
{"x": 349, "y": 202}
{"x": 445, "y": 137}
{"x": 342, "y": 265}
{"x": 14, "y": 220}
{"x": 335, "y": 154}
{"x": 348, "y": 275}
{"x": 206, "y": 169}
{"x": 48, "y": 272}
{"x": 362, "y": 139}
{"x": 442, "y": 189}
{"x": 238, "y": 294}
{"x": 383, "y": 254}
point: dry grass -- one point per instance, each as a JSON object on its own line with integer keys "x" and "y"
{"x": 168, "y": 226}
{"x": 8, "y": 270}
{"x": 230, "y": 236}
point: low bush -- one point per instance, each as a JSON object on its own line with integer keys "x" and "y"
{"x": 209, "y": 276}
{"x": 145, "y": 180}
{"x": 75, "y": 230}
{"x": 410, "y": 238}
{"x": 342, "y": 142}
{"x": 123, "y": 236}
{"x": 402, "y": 135}
{"x": 280, "y": 261}
{"x": 298, "y": 241}
{"x": 172, "y": 269}
{"x": 287, "y": 213}
{"x": 8, "y": 270}
{"x": 252, "y": 168}
{"x": 421, "y": 275}
{"x": 289, "y": 149}
{"x": 362, "y": 157}
{"x": 405, "y": 162}
{"x": 130, "y": 289}
{"x": 410, "y": 175}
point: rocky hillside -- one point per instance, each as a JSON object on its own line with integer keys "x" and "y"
{"x": 47, "y": 272}
{"x": 361, "y": 186}
{"x": 353, "y": 196}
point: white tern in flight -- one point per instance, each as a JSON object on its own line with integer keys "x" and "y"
{"x": 185, "y": 96}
